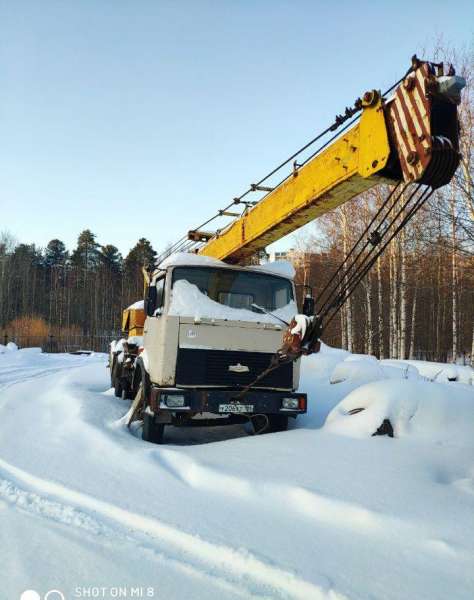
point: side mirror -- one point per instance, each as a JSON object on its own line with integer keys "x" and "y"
{"x": 308, "y": 306}
{"x": 150, "y": 301}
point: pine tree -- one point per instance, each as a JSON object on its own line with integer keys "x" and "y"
{"x": 111, "y": 258}
{"x": 86, "y": 254}
{"x": 142, "y": 254}
{"x": 55, "y": 254}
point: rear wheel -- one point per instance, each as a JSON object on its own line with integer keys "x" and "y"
{"x": 152, "y": 431}
{"x": 115, "y": 378}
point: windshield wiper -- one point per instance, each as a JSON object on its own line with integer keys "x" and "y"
{"x": 260, "y": 309}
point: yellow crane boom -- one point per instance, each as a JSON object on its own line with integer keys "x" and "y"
{"x": 413, "y": 137}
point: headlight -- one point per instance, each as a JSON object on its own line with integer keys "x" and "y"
{"x": 174, "y": 401}
{"x": 290, "y": 403}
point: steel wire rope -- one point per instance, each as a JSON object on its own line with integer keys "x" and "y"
{"x": 339, "y": 120}
{"x": 426, "y": 194}
{"x": 341, "y": 286}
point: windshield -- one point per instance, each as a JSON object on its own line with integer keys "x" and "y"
{"x": 238, "y": 289}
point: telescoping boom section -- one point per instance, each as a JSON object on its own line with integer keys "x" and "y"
{"x": 411, "y": 137}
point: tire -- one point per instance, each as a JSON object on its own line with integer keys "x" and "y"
{"x": 118, "y": 387}
{"x": 112, "y": 371}
{"x": 277, "y": 423}
{"x": 115, "y": 380}
{"x": 126, "y": 394}
{"x": 152, "y": 431}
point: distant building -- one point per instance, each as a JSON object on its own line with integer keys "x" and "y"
{"x": 275, "y": 256}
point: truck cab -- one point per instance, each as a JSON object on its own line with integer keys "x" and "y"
{"x": 210, "y": 330}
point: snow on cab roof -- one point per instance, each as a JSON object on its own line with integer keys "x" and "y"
{"x": 189, "y": 259}
{"x": 282, "y": 268}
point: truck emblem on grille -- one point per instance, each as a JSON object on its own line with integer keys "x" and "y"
{"x": 238, "y": 368}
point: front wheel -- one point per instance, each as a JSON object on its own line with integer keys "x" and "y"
{"x": 152, "y": 431}
{"x": 277, "y": 423}
{"x": 118, "y": 389}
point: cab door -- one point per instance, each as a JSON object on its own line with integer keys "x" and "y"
{"x": 160, "y": 336}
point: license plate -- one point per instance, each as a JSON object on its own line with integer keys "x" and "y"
{"x": 235, "y": 408}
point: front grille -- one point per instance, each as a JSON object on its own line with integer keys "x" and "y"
{"x": 211, "y": 368}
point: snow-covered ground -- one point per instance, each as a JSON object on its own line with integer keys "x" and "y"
{"x": 324, "y": 510}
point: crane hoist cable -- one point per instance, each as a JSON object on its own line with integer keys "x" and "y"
{"x": 373, "y": 238}
{"x": 338, "y": 298}
{"x": 354, "y": 247}
{"x": 354, "y": 111}
{"x": 184, "y": 244}
{"x": 392, "y": 229}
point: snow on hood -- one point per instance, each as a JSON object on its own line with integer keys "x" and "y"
{"x": 188, "y": 301}
{"x": 138, "y": 305}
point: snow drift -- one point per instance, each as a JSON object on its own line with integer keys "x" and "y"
{"x": 424, "y": 410}
{"x": 218, "y": 514}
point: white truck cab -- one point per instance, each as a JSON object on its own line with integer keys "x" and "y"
{"x": 210, "y": 330}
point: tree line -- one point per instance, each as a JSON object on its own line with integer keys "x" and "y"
{"x": 55, "y": 291}
{"x": 417, "y": 301}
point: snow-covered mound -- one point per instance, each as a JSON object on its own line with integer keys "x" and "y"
{"x": 428, "y": 411}
{"x": 435, "y": 371}
{"x": 365, "y": 370}
{"x": 217, "y": 514}
{"x": 320, "y": 365}
{"x": 10, "y": 347}
{"x": 332, "y": 374}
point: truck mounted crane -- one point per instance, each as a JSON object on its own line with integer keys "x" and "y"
{"x": 212, "y": 321}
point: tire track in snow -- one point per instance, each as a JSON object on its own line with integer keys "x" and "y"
{"x": 68, "y": 506}
{"x": 68, "y": 515}
{"x": 325, "y": 510}
{"x": 37, "y": 375}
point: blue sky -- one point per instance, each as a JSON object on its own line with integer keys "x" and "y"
{"x": 141, "y": 118}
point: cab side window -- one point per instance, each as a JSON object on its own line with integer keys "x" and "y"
{"x": 160, "y": 293}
